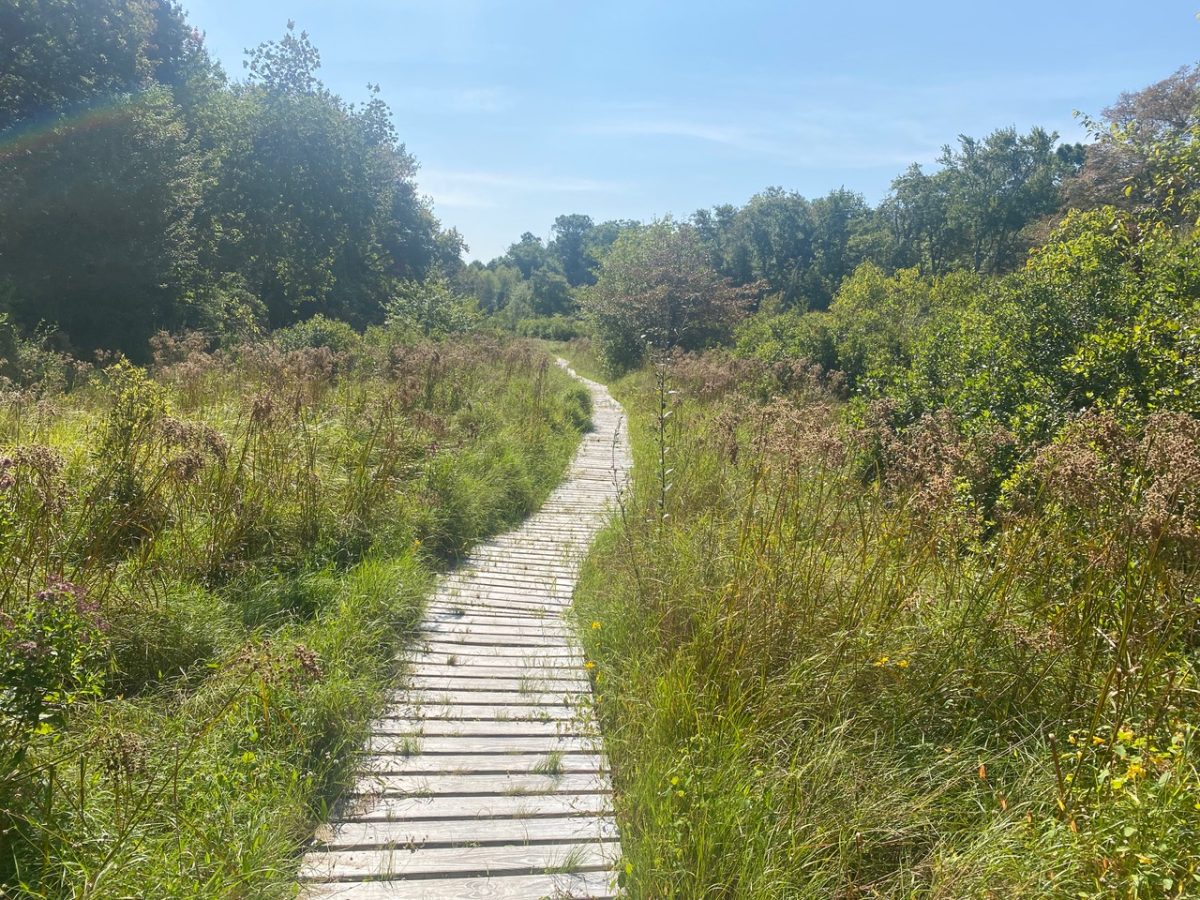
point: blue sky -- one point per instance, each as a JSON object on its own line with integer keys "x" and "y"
{"x": 521, "y": 110}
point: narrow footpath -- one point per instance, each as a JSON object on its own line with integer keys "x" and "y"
{"x": 486, "y": 778}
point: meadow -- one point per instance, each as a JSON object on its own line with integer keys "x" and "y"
{"x": 209, "y": 566}
{"x": 834, "y": 658}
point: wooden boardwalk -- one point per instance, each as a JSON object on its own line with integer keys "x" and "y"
{"x": 486, "y": 777}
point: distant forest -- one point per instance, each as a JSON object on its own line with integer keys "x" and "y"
{"x": 981, "y": 209}
{"x": 144, "y": 189}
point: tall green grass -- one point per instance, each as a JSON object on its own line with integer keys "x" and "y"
{"x": 206, "y": 572}
{"x": 837, "y": 661}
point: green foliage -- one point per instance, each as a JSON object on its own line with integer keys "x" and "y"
{"x": 140, "y": 191}
{"x": 550, "y": 328}
{"x": 657, "y": 288}
{"x": 431, "y": 308}
{"x": 814, "y": 686}
{"x": 247, "y": 535}
{"x": 27, "y": 362}
{"x": 95, "y": 223}
{"x": 51, "y": 658}
{"x": 319, "y": 331}
{"x": 1104, "y": 314}
{"x": 1140, "y": 155}
{"x": 61, "y": 55}
{"x": 571, "y": 245}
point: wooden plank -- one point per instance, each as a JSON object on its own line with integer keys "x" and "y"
{"x": 518, "y": 599}
{"x": 482, "y": 667}
{"x": 376, "y": 808}
{"x": 521, "y": 784}
{"x": 574, "y": 762}
{"x": 514, "y": 667}
{"x": 497, "y": 576}
{"x": 433, "y": 744}
{"x": 419, "y": 699}
{"x": 532, "y": 652}
{"x": 467, "y": 728}
{"x": 516, "y": 590}
{"x": 536, "y": 859}
{"x": 583, "y": 885}
{"x": 501, "y": 637}
{"x": 460, "y": 712}
{"x": 458, "y": 832}
{"x": 490, "y": 615}
{"x": 550, "y": 627}
{"x": 468, "y": 686}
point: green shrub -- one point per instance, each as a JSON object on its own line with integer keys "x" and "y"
{"x": 550, "y": 328}
{"x": 318, "y": 331}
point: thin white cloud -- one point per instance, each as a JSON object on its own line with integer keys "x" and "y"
{"x": 808, "y": 138}
{"x": 481, "y": 189}
{"x": 725, "y": 135}
{"x": 480, "y": 99}
{"x": 516, "y": 181}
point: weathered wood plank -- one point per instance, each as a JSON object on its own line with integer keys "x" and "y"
{"x": 538, "y": 743}
{"x": 467, "y": 728}
{"x": 582, "y": 885}
{"x": 482, "y": 667}
{"x": 484, "y": 763}
{"x": 536, "y": 859}
{"x": 460, "y": 712}
{"x": 522, "y": 685}
{"x": 459, "y": 832}
{"x": 519, "y": 697}
{"x": 375, "y": 808}
{"x": 521, "y": 784}
{"x": 546, "y": 630}
{"x": 467, "y": 647}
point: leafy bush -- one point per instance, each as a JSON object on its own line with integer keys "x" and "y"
{"x": 549, "y": 328}
{"x": 657, "y": 288}
{"x": 319, "y": 331}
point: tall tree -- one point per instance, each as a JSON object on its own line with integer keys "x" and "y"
{"x": 657, "y": 287}
{"x": 1139, "y": 144}
{"x": 528, "y": 254}
{"x": 99, "y": 178}
{"x": 570, "y": 244}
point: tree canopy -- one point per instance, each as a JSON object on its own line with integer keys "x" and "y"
{"x": 141, "y": 189}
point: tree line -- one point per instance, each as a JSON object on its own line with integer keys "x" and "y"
{"x": 981, "y": 209}
{"x": 142, "y": 188}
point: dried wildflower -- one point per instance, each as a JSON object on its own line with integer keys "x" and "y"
{"x": 1170, "y": 455}
{"x": 186, "y": 466}
{"x": 309, "y": 662}
{"x": 123, "y": 754}
{"x": 804, "y": 433}
{"x": 30, "y": 649}
{"x": 1080, "y": 469}
{"x": 262, "y": 410}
